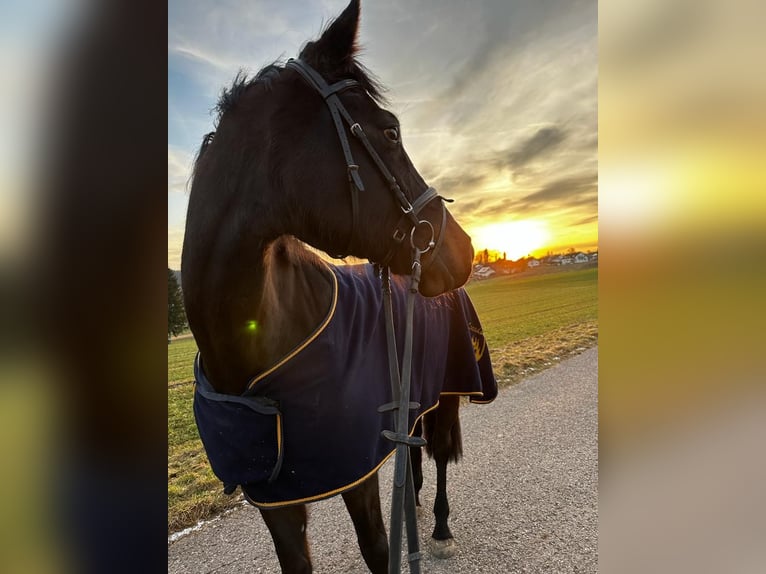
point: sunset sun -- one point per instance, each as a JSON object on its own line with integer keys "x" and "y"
{"x": 514, "y": 238}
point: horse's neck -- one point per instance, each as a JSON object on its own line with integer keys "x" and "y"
{"x": 264, "y": 310}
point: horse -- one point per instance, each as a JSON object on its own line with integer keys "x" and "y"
{"x": 268, "y": 182}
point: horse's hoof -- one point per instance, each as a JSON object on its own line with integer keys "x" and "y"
{"x": 442, "y": 548}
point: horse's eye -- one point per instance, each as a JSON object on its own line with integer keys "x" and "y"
{"x": 392, "y": 134}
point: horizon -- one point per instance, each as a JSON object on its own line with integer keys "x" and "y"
{"x": 493, "y": 253}
{"x": 506, "y": 122}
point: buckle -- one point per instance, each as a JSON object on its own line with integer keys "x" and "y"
{"x": 399, "y": 235}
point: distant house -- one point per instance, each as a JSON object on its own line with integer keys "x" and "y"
{"x": 594, "y": 256}
{"x": 555, "y": 260}
{"x": 533, "y": 262}
{"x": 566, "y": 260}
{"x": 581, "y": 258}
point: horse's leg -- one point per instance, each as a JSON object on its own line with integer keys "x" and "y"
{"x": 416, "y": 457}
{"x": 445, "y": 443}
{"x": 363, "y": 504}
{"x": 288, "y": 531}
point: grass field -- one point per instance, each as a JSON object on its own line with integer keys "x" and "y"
{"x": 180, "y": 360}
{"x": 515, "y": 308}
{"x": 530, "y": 323}
{"x": 533, "y": 321}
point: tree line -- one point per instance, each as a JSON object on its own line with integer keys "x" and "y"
{"x": 176, "y": 313}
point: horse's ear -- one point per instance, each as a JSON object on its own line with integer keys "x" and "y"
{"x": 334, "y": 51}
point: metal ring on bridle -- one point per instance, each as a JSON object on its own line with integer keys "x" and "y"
{"x": 430, "y": 243}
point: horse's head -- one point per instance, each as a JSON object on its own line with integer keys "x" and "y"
{"x": 334, "y": 159}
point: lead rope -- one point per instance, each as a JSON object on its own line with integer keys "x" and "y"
{"x": 403, "y": 495}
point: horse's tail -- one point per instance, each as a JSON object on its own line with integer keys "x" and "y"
{"x": 456, "y": 441}
{"x": 441, "y": 428}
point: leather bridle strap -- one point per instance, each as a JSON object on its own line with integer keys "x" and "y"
{"x": 339, "y": 113}
{"x": 403, "y": 495}
{"x": 329, "y": 94}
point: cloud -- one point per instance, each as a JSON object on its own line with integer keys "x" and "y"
{"x": 175, "y": 245}
{"x": 567, "y": 192}
{"x": 179, "y": 169}
{"x": 544, "y": 140}
{"x": 563, "y": 199}
{"x": 462, "y": 42}
{"x": 241, "y": 33}
{"x": 458, "y": 183}
{"x": 197, "y": 54}
{"x": 483, "y": 209}
{"x": 586, "y": 220}
{"x": 505, "y": 120}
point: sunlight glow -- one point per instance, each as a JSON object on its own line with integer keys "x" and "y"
{"x": 514, "y": 238}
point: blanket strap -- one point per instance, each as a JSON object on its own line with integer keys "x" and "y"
{"x": 259, "y": 404}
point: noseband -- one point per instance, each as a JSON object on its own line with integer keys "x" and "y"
{"x": 409, "y": 222}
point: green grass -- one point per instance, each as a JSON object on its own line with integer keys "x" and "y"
{"x": 530, "y": 323}
{"x": 181, "y": 426}
{"x": 181, "y": 360}
{"x": 515, "y": 308}
{"x": 194, "y": 492}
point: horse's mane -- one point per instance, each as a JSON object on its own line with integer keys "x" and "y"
{"x": 233, "y": 94}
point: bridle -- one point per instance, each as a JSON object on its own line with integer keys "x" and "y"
{"x": 409, "y": 221}
{"x": 403, "y": 496}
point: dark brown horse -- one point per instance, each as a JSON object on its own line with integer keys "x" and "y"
{"x": 271, "y": 178}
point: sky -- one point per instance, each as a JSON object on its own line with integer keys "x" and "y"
{"x": 497, "y": 101}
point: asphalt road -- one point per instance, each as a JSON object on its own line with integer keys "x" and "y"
{"x": 523, "y": 499}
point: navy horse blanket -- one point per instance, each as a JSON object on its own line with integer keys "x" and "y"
{"x": 309, "y": 428}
